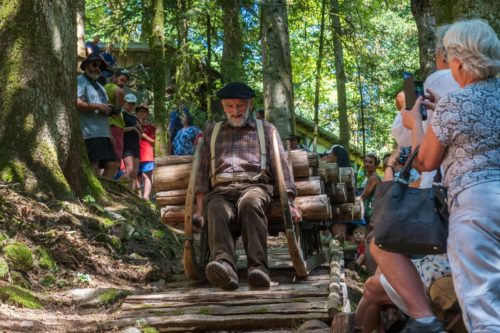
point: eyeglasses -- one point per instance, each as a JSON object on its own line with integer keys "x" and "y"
{"x": 445, "y": 56}
{"x": 95, "y": 64}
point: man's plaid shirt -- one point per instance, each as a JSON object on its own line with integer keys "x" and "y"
{"x": 237, "y": 150}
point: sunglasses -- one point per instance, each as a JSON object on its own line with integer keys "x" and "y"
{"x": 95, "y": 64}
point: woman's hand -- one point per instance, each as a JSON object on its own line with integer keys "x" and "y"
{"x": 413, "y": 116}
{"x": 431, "y": 99}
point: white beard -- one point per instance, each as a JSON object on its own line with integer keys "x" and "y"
{"x": 93, "y": 76}
{"x": 241, "y": 121}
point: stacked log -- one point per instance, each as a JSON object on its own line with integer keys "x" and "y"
{"x": 171, "y": 178}
{"x": 340, "y": 186}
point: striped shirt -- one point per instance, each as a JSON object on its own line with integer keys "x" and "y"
{"x": 237, "y": 150}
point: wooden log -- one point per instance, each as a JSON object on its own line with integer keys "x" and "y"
{"x": 358, "y": 209}
{"x": 300, "y": 163}
{"x": 343, "y": 212}
{"x": 313, "y": 208}
{"x": 172, "y": 214}
{"x": 339, "y": 194}
{"x": 347, "y": 176}
{"x": 313, "y": 159}
{"x": 343, "y": 323}
{"x": 442, "y": 293}
{"x": 171, "y": 177}
{"x": 309, "y": 187}
{"x": 169, "y": 198}
{"x": 173, "y": 159}
{"x": 334, "y": 297}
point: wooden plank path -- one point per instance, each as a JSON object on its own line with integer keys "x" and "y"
{"x": 198, "y": 307}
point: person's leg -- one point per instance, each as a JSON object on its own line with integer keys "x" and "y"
{"x": 251, "y": 208}
{"x": 147, "y": 178}
{"x": 110, "y": 168}
{"x": 135, "y": 183}
{"x": 474, "y": 255}
{"x": 369, "y": 307}
{"x": 404, "y": 278}
{"x": 131, "y": 168}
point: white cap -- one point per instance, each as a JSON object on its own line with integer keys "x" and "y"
{"x": 130, "y": 98}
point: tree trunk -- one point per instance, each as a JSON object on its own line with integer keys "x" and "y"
{"x": 40, "y": 142}
{"x": 277, "y": 66}
{"x": 318, "y": 77}
{"x": 344, "y": 134}
{"x": 158, "y": 74}
{"x": 80, "y": 28}
{"x": 232, "y": 59}
{"x": 424, "y": 17}
{"x": 182, "y": 75}
{"x": 146, "y": 20}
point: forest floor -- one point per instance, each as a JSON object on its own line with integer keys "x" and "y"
{"x": 68, "y": 266}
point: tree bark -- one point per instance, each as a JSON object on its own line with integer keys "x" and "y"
{"x": 40, "y": 142}
{"x": 426, "y": 25}
{"x": 340, "y": 77}
{"x": 318, "y": 77}
{"x": 277, "y": 66}
{"x": 232, "y": 58}
{"x": 80, "y": 28}
{"x": 158, "y": 74}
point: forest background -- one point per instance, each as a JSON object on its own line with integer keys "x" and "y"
{"x": 209, "y": 43}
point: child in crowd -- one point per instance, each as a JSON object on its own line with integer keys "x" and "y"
{"x": 147, "y": 157}
{"x": 358, "y": 236}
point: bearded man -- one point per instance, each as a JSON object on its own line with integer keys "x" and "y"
{"x": 92, "y": 104}
{"x": 235, "y": 186}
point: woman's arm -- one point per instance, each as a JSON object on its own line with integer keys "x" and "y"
{"x": 370, "y": 187}
{"x": 431, "y": 152}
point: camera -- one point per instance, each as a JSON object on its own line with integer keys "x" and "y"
{"x": 114, "y": 111}
{"x": 403, "y": 155}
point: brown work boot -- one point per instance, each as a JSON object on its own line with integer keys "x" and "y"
{"x": 221, "y": 274}
{"x": 258, "y": 279}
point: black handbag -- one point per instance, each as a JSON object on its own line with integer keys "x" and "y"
{"x": 407, "y": 220}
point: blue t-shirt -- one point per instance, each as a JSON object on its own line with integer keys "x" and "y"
{"x": 184, "y": 140}
{"x": 92, "y": 125}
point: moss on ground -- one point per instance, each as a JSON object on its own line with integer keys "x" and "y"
{"x": 45, "y": 259}
{"x": 19, "y": 256}
{"x": 113, "y": 295}
{"x": 149, "y": 329}
{"x": 4, "y": 269}
{"x": 20, "y": 297}
{"x": 48, "y": 281}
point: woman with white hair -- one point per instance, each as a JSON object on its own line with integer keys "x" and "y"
{"x": 464, "y": 137}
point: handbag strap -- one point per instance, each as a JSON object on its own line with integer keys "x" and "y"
{"x": 404, "y": 175}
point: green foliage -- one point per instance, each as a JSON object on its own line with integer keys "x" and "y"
{"x": 19, "y": 256}
{"x": 113, "y": 295}
{"x": 48, "y": 281}
{"x": 149, "y": 329}
{"x": 20, "y": 297}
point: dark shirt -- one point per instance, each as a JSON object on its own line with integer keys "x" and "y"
{"x": 131, "y": 137}
{"x": 237, "y": 150}
{"x": 95, "y": 48}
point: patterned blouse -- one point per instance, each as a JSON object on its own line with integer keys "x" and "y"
{"x": 467, "y": 123}
{"x": 184, "y": 140}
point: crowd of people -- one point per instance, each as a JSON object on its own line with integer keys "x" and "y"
{"x": 237, "y": 170}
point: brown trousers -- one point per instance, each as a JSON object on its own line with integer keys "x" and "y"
{"x": 235, "y": 210}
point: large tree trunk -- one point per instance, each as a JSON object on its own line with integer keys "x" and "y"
{"x": 158, "y": 73}
{"x": 146, "y": 20}
{"x": 232, "y": 59}
{"x": 40, "y": 142}
{"x": 183, "y": 74}
{"x": 318, "y": 77}
{"x": 277, "y": 66}
{"x": 338, "y": 51}
{"x": 426, "y": 25}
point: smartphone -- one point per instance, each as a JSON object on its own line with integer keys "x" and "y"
{"x": 413, "y": 89}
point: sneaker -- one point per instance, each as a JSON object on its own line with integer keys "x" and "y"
{"x": 221, "y": 274}
{"x": 414, "y": 326}
{"x": 258, "y": 279}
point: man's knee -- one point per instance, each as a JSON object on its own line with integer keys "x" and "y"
{"x": 250, "y": 204}
{"x": 374, "y": 291}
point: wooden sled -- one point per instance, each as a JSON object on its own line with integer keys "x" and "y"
{"x": 303, "y": 238}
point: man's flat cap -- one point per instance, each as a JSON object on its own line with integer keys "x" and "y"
{"x": 236, "y": 90}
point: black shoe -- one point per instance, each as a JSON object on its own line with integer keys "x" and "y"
{"x": 258, "y": 279}
{"x": 414, "y": 326}
{"x": 221, "y": 274}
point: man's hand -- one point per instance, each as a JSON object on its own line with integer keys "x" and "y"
{"x": 296, "y": 214}
{"x": 104, "y": 108}
{"x": 413, "y": 116}
{"x": 431, "y": 99}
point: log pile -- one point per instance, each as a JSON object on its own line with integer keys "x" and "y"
{"x": 340, "y": 186}
{"x": 171, "y": 177}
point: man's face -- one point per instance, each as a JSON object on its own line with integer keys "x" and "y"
{"x": 237, "y": 111}
{"x": 93, "y": 69}
{"x": 121, "y": 81}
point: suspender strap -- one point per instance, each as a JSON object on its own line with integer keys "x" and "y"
{"x": 213, "y": 138}
{"x": 262, "y": 147}
{"x": 262, "y": 144}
